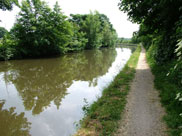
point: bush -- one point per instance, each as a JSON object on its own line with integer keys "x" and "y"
{"x": 7, "y": 47}
{"x": 41, "y": 31}
{"x": 167, "y": 81}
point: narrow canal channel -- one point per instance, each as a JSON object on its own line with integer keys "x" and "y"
{"x": 44, "y": 97}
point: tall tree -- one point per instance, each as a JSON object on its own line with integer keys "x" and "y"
{"x": 7, "y": 4}
{"x": 97, "y": 28}
{"x": 91, "y": 26}
{"x": 41, "y": 31}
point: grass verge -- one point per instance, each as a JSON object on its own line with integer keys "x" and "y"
{"x": 167, "y": 84}
{"x": 101, "y": 118}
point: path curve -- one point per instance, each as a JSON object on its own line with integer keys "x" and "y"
{"x": 143, "y": 113}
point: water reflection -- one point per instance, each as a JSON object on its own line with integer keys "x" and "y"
{"x": 50, "y": 92}
{"x": 13, "y": 124}
{"x": 131, "y": 47}
{"x": 41, "y": 81}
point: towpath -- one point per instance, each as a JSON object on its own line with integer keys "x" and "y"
{"x": 143, "y": 113}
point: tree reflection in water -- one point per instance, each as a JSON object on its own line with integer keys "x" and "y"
{"x": 13, "y": 124}
{"x": 41, "y": 81}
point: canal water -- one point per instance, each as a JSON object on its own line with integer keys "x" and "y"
{"x": 44, "y": 97}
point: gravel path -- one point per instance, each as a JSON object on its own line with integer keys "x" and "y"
{"x": 143, "y": 113}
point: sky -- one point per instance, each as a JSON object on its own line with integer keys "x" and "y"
{"x": 110, "y": 8}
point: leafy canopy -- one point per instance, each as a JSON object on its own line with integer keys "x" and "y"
{"x": 41, "y": 31}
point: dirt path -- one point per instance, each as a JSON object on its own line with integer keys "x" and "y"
{"x": 143, "y": 113}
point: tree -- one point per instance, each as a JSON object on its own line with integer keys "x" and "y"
{"x": 159, "y": 19}
{"x": 97, "y": 29}
{"x": 135, "y": 38}
{"x": 160, "y": 31}
{"x": 2, "y": 31}
{"x": 41, "y": 31}
{"x": 7, "y": 4}
{"x": 109, "y": 35}
{"x": 91, "y": 26}
{"x": 78, "y": 41}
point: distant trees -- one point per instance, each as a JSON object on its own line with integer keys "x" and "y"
{"x": 128, "y": 41}
{"x": 98, "y": 30}
{"x": 41, "y": 31}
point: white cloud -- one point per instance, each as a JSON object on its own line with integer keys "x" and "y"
{"x": 110, "y": 8}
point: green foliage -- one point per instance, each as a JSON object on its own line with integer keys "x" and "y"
{"x": 135, "y": 38}
{"x": 3, "y": 31}
{"x": 7, "y": 47}
{"x": 123, "y": 40}
{"x": 177, "y": 70}
{"x": 91, "y": 26}
{"x": 166, "y": 81}
{"x": 120, "y": 40}
{"x": 160, "y": 29}
{"x": 7, "y": 4}
{"x": 109, "y": 35}
{"x": 103, "y": 115}
{"x": 41, "y": 31}
{"x": 78, "y": 41}
{"x": 97, "y": 29}
{"x": 158, "y": 20}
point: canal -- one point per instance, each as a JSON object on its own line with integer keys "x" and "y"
{"x": 44, "y": 97}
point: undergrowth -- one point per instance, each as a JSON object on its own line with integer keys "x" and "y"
{"x": 166, "y": 82}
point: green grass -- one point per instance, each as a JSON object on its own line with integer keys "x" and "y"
{"x": 101, "y": 118}
{"x": 168, "y": 88}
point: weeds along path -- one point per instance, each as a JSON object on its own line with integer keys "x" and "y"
{"x": 143, "y": 113}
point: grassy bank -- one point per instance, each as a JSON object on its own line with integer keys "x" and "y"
{"x": 101, "y": 118}
{"x": 168, "y": 84}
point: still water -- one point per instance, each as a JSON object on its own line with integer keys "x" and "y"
{"x": 44, "y": 97}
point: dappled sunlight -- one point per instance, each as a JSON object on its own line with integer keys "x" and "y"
{"x": 143, "y": 66}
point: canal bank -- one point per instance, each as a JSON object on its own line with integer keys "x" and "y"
{"x": 101, "y": 118}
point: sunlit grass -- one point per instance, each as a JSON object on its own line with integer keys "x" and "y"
{"x": 102, "y": 117}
